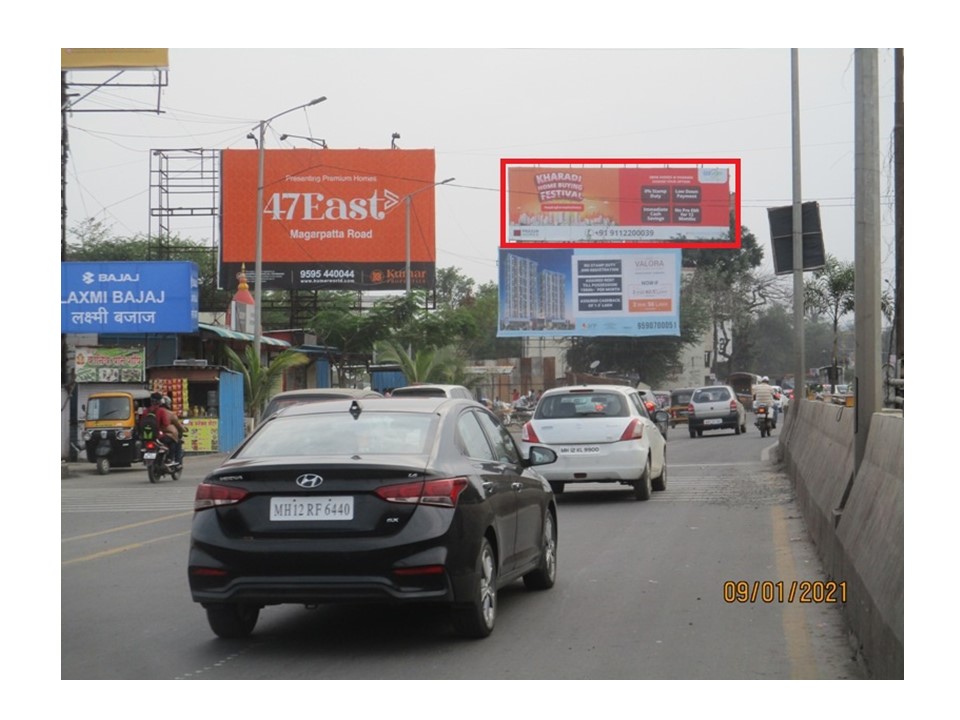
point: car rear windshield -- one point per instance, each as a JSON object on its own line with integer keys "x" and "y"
{"x": 585, "y": 405}
{"x": 372, "y": 433}
{"x": 711, "y": 395}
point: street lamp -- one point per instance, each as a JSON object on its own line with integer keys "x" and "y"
{"x": 316, "y": 141}
{"x": 407, "y": 203}
{"x": 258, "y": 267}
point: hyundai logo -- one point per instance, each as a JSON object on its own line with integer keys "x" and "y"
{"x": 309, "y": 481}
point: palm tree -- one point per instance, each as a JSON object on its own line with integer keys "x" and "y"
{"x": 428, "y": 365}
{"x": 259, "y": 380}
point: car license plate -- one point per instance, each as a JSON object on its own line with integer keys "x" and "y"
{"x": 713, "y": 421}
{"x": 580, "y": 450}
{"x": 149, "y": 456}
{"x": 284, "y": 509}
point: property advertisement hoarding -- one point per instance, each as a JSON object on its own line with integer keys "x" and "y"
{"x": 668, "y": 203}
{"x": 129, "y": 297}
{"x": 589, "y": 292}
{"x": 332, "y": 219}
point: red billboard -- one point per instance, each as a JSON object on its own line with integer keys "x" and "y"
{"x": 332, "y": 219}
{"x": 556, "y": 203}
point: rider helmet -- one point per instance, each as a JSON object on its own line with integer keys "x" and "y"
{"x": 167, "y": 403}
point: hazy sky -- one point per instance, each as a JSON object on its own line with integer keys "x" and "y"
{"x": 477, "y": 106}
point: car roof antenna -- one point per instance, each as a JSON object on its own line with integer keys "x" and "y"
{"x": 355, "y": 409}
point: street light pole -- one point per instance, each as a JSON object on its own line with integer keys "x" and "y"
{"x": 407, "y": 202}
{"x": 258, "y": 264}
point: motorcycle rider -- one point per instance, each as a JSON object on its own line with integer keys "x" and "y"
{"x": 763, "y": 395}
{"x": 174, "y": 428}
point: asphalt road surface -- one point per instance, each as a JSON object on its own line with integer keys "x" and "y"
{"x": 646, "y": 590}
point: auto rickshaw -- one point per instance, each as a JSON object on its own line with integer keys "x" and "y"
{"x": 110, "y": 428}
{"x": 679, "y": 399}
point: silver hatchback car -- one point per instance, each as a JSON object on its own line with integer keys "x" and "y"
{"x": 715, "y": 407}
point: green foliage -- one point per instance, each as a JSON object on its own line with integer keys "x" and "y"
{"x": 260, "y": 381}
{"x": 831, "y": 293}
{"x": 92, "y": 241}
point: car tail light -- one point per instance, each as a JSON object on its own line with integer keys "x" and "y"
{"x": 210, "y": 495}
{"x": 634, "y": 430}
{"x": 443, "y": 492}
{"x": 528, "y": 434}
{"x": 733, "y": 405}
{"x": 690, "y": 409}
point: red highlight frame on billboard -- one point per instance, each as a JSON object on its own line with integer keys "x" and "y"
{"x": 654, "y": 196}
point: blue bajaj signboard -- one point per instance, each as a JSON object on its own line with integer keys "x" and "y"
{"x": 129, "y": 297}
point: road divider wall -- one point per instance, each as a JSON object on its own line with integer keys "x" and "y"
{"x": 859, "y": 538}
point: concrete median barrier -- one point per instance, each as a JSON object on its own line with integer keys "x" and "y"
{"x": 856, "y": 523}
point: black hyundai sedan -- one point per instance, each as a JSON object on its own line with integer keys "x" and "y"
{"x": 373, "y": 500}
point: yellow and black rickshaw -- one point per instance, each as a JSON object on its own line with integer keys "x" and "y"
{"x": 110, "y": 428}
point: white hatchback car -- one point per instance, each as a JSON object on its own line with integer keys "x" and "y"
{"x": 600, "y": 433}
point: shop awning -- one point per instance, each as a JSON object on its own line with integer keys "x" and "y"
{"x": 223, "y": 332}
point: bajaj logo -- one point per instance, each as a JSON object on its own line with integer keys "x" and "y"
{"x": 309, "y": 481}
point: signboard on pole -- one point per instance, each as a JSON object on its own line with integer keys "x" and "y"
{"x": 129, "y": 297}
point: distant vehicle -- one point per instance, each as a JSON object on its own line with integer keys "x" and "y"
{"x": 742, "y": 384}
{"x": 715, "y": 407}
{"x": 414, "y": 500}
{"x": 679, "y": 400}
{"x": 653, "y": 401}
{"x": 298, "y": 397}
{"x": 600, "y": 433}
{"x": 432, "y": 390}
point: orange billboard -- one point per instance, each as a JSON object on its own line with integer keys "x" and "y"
{"x": 332, "y": 219}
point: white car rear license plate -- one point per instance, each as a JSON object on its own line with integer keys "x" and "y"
{"x": 149, "y": 456}
{"x": 283, "y": 509}
{"x": 580, "y": 450}
{"x": 713, "y": 421}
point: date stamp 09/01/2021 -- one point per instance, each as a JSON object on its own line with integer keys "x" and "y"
{"x": 778, "y": 591}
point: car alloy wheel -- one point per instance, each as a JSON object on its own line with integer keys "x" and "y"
{"x": 476, "y": 620}
{"x": 545, "y": 576}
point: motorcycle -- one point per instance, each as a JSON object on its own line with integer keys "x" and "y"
{"x": 764, "y": 421}
{"x": 158, "y": 459}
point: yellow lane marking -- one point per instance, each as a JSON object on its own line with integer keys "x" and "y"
{"x": 803, "y": 665}
{"x": 124, "y": 548}
{"x": 121, "y": 528}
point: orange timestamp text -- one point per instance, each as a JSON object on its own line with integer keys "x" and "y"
{"x": 778, "y": 591}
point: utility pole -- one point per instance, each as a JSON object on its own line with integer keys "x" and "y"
{"x": 800, "y": 373}
{"x": 866, "y": 247}
{"x": 898, "y": 190}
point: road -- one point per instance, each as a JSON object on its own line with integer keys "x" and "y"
{"x": 640, "y": 593}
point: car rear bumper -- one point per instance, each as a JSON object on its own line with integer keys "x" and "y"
{"x": 308, "y": 590}
{"x": 710, "y": 423}
{"x": 616, "y": 462}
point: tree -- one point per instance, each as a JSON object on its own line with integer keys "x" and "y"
{"x": 728, "y": 282}
{"x": 260, "y": 380}
{"x": 92, "y": 241}
{"x": 831, "y": 293}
